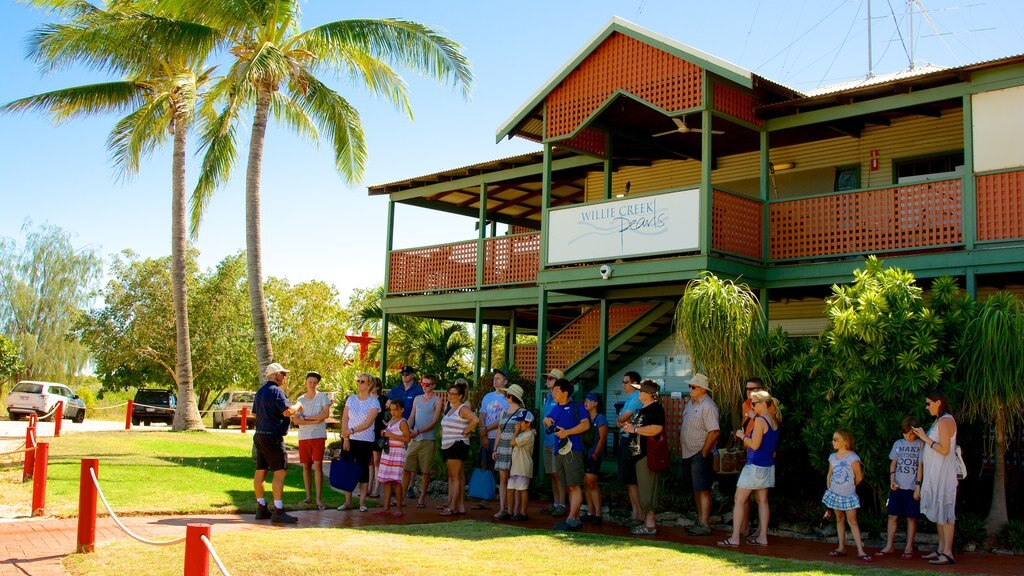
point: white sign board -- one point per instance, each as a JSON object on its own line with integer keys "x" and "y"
{"x": 998, "y": 120}
{"x": 668, "y": 222}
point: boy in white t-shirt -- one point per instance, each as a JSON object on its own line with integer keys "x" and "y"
{"x": 905, "y": 483}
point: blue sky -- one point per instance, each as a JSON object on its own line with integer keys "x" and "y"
{"x": 317, "y": 227}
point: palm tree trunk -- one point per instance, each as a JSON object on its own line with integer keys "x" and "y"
{"x": 186, "y": 415}
{"x": 254, "y": 263}
{"x": 997, "y": 515}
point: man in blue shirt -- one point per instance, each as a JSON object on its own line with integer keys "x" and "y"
{"x": 570, "y": 420}
{"x": 557, "y": 507}
{"x": 272, "y": 411}
{"x": 407, "y": 392}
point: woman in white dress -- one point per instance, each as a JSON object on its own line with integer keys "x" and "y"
{"x": 938, "y": 485}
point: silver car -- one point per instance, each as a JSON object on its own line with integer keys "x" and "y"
{"x": 228, "y": 409}
{"x": 40, "y": 398}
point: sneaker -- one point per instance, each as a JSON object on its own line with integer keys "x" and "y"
{"x": 547, "y": 511}
{"x": 282, "y": 517}
{"x": 262, "y": 512}
{"x": 568, "y": 525}
{"x": 595, "y": 520}
{"x": 586, "y": 517}
{"x": 560, "y": 511}
{"x": 699, "y": 530}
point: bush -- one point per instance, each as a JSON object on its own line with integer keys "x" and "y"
{"x": 969, "y": 529}
{"x": 1012, "y": 536}
{"x": 85, "y": 394}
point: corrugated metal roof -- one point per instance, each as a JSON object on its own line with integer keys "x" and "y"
{"x": 877, "y": 80}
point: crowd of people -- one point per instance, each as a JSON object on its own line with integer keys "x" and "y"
{"x": 391, "y": 438}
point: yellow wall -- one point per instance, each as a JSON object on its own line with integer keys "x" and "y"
{"x": 905, "y": 138}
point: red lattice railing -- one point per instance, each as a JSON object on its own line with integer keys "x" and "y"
{"x": 735, "y": 103}
{"x": 621, "y": 62}
{"x": 908, "y": 217}
{"x": 512, "y": 259}
{"x": 1000, "y": 205}
{"x": 736, "y": 224}
{"x": 579, "y": 338}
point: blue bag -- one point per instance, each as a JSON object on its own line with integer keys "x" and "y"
{"x": 481, "y": 484}
{"x": 345, "y": 473}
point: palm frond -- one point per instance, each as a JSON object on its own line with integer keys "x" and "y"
{"x": 219, "y": 145}
{"x": 380, "y": 79}
{"x": 66, "y": 103}
{"x": 287, "y": 111}
{"x": 67, "y": 8}
{"x": 340, "y": 122}
{"x": 139, "y": 133}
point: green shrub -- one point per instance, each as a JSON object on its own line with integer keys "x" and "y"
{"x": 85, "y": 394}
{"x": 970, "y": 529}
{"x": 1012, "y": 536}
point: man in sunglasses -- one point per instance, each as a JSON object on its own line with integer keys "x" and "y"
{"x": 698, "y": 437}
{"x": 627, "y": 469}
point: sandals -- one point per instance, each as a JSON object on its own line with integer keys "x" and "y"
{"x": 883, "y": 554}
{"x": 727, "y": 543}
{"x": 344, "y": 507}
{"x": 836, "y": 554}
{"x": 363, "y": 508}
{"x": 397, "y": 514}
{"x": 502, "y": 515}
{"x": 321, "y": 507}
{"x": 480, "y": 506}
{"x": 942, "y": 560}
{"x": 643, "y": 530}
{"x": 907, "y": 556}
{"x": 421, "y": 505}
{"x": 752, "y": 541}
{"x": 930, "y": 556}
{"x": 306, "y": 502}
{"x": 866, "y": 558}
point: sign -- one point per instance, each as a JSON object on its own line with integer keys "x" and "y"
{"x": 661, "y": 223}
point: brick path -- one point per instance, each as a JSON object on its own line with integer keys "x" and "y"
{"x": 36, "y": 546}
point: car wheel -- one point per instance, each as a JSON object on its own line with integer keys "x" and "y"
{"x": 14, "y": 416}
{"x": 80, "y": 417}
{"x": 147, "y": 422}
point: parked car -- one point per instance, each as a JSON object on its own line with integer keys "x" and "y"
{"x": 153, "y": 405}
{"x": 227, "y": 410}
{"x": 40, "y": 398}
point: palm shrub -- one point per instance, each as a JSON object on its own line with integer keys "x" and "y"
{"x": 992, "y": 364}
{"x": 720, "y": 324}
{"x": 883, "y": 348}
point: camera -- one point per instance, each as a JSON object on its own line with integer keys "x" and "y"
{"x": 552, "y": 429}
{"x": 606, "y": 271}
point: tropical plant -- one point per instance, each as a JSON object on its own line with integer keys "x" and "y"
{"x": 992, "y": 364}
{"x": 276, "y": 71}
{"x": 162, "y": 63}
{"x": 10, "y": 361}
{"x": 720, "y": 324}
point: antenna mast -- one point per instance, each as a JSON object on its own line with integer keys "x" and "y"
{"x": 870, "y": 71}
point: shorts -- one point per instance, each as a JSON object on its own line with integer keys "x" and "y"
{"x": 902, "y": 503}
{"x": 270, "y": 452}
{"x": 311, "y": 450}
{"x": 697, "y": 470}
{"x": 754, "y": 477}
{"x": 487, "y": 453}
{"x": 419, "y": 456}
{"x": 457, "y": 451}
{"x": 591, "y": 466}
{"x": 570, "y": 468}
{"x": 518, "y": 483}
{"x": 627, "y": 468}
{"x": 362, "y": 453}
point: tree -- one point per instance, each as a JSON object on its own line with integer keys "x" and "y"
{"x": 162, "y": 63}
{"x": 275, "y": 70}
{"x": 43, "y": 287}
{"x": 133, "y": 336}
{"x": 992, "y": 363}
{"x": 10, "y": 361}
{"x": 720, "y": 324}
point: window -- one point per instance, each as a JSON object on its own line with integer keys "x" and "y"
{"x": 847, "y": 178}
{"x": 935, "y": 167}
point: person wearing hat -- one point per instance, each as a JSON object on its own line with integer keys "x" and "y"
{"x": 569, "y": 420}
{"x": 492, "y": 407}
{"x": 646, "y": 421}
{"x": 698, "y": 436}
{"x": 312, "y": 422}
{"x": 594, "y": 456}
{"x": 627, "y": 471}
{"x": 557, "y": 507}
{"x": 272, "y": 411}
{"x": 407, "y": 392}
{"x": 513, "y": 421}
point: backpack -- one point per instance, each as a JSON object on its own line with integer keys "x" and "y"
{"x": 589, "y": 437}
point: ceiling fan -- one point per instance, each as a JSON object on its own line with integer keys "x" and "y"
{"x": 682, "y": 128}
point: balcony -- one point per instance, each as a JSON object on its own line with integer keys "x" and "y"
{"x": 508, "y": 261}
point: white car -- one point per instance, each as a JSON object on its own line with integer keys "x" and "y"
{"x": 40, "y": 398}
{"x": 228, "y": 409}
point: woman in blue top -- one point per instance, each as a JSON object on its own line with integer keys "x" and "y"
{"x": 595, "y": 453}
{"x": 758, "y": 474}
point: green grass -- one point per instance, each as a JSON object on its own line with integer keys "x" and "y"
{"x": 150, "y": 473}
{"x": 467, "y": 547}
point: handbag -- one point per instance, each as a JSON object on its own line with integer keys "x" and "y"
{"x": 732, "y": 458}
{"x": 344, "y": 473}
{"x": 481, "y": 484}
{"x": 961, "y": 468}
{"x": 383, "y": 445}
{"x": 658, "y": 458}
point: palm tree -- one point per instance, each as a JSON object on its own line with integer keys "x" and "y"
{"x": 162, "y": 62}
{"x": 275, "y": 70}
{"x": 992, "y": 362}
{"x": 720, "y": 324}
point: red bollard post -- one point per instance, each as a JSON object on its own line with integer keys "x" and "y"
{"x": 58, "y": 419}
{"x": 197, "y": 557}
{"x": 39, "y": 479}
{"x": 245, "y": 418}
{"x": 128, "y": 415}
{"x": 30, "y": 454}
{"x": 87, "y": 506}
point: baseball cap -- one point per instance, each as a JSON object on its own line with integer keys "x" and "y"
{"x": 564, "y": 446}
{"x": 408, "y": 370}
{"x": 314, "y": 374}
{"x": 501, "y": 371}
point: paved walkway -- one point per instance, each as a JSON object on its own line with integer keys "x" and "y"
{"x": 36, "y": 546}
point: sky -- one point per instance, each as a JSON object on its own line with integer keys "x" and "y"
{"x": 315, "y": 226}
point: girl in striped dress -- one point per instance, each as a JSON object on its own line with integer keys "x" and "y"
{"x": 392, "y": 462}
{"x": 844, "y": 473}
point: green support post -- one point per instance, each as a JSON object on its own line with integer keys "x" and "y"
{"x": 510, "y": 341}
{"x": 608, "y": 166}
{"x": 765, "y": 173}
{"x": 542, "y": 338}
{"x": 490, "y": 346}
{"x": 545, "y": 203}
{"x": 972, "y": 283}
{"x": 762, "y": 298}
{"x": 481, "y": 237}
{"x": 968, "y": 200}
{"x": 705, "y": 168}
{"x": 602, "y": 364}
{"x": 388, "y": 244}
{"x": 477, "y": 340}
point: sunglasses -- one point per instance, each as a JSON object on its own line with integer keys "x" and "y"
{"x": 692, "y": 387}
{"x": 431, "y": 384}
{"x": 752, "y": 389}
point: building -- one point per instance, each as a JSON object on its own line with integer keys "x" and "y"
{"x": 660, "y": 161}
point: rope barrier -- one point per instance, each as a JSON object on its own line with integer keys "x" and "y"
{"x": 19, "y": 450}
{"x": 94, "y": 408}
{"x": 92, "y": 473}
{"x": 213, "y": 553}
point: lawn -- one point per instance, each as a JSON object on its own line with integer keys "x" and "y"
{"x": 466, "y": 547}
{"x": 149, "y": 473}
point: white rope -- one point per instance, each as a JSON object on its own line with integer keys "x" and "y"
{"x": 50, "y": 413}
{"x": 165, "y": 408}
{"x": 18, "y": 450}
{"x": 107, "y": 407}
{"x": 96, "y": 483}
{"x": 216, "y": 559}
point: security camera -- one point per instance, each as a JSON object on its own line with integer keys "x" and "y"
{"x": 606, "y": 272}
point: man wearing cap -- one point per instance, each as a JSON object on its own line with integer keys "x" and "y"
{"x": 698, "y": 436}
{"x": 570, "y": 420}
{"x": 272, "y": 412}
{"x": 557, "y": 507}
{"x": 627, "y": 468}
{"x": 407, "y": 392}
{"x": 419, "y": 457}
{"x": 491, "y": 409}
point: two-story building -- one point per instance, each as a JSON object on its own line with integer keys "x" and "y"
{"x": 660, "y": 161}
